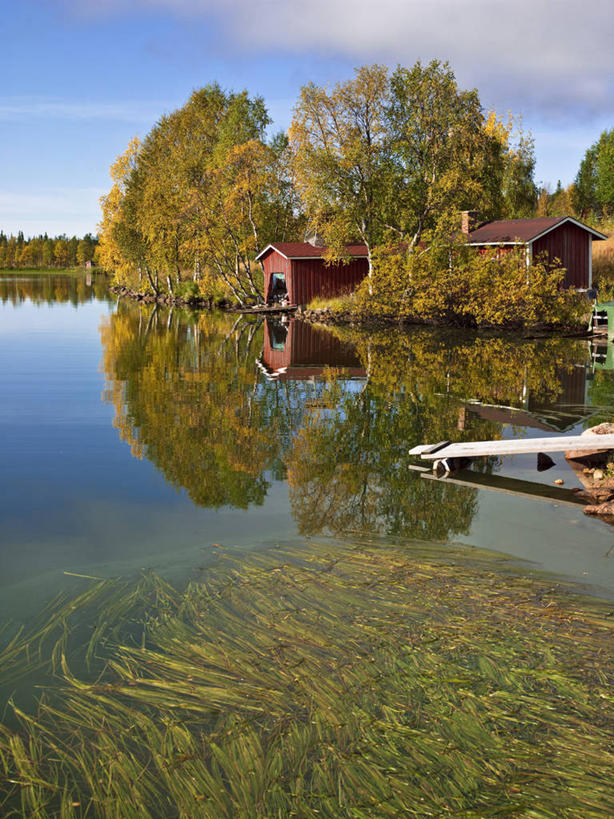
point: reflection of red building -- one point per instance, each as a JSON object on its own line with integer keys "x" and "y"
{"x": 297, "y": 351}
{"x": 296, "y": 271}
{"x": 565, "y": 412}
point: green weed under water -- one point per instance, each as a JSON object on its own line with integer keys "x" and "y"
{"x": 363, "y": 681}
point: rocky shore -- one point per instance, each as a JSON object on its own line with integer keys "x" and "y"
{"x": 330, "y": 317}
{"x": 166, "y": 299}
{"x": 595, "y": 471}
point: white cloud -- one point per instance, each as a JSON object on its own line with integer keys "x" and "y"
{"x": 543, "y": 55}
{"x": 20, "y": 108}
{"x": 54, "y": 211}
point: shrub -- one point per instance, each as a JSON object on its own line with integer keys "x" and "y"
{"x": 187, "y": 290}
{"x": 603, "y": 265}
{"x": 457, "y": 285}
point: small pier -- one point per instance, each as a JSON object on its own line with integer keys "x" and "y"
{"x": 475, "y": 449}
{"x": 452, "y": 457}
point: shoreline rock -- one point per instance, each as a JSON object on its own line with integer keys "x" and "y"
{"x": 329, "y": 317}
{"x": 167, "y": 300}
{"x": 595, "y": 471}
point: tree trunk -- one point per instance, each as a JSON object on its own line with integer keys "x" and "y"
{"x": 154, "y": 284}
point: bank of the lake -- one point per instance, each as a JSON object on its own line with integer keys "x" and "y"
{"x": 329, "y": 317}
{"x": 332, "y": 316}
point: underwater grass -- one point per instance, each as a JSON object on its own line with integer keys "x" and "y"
{"x": 359, "y": 681}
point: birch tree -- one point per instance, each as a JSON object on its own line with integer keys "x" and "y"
{"x": 340, "y": 143}
{"x": 389, "y": 158}
{"x": 193, "y": 201}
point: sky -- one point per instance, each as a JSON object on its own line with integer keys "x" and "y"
{"x": 80, "y": 78}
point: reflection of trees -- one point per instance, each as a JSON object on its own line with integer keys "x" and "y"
{"x": 50, "y": 289}
{"x": 349, "y": 471}
{"x": 495, "y": 370}
{"x": 601, "y": 394}
{"x": 186, "y": 396}
{"x": 189, "y": 396}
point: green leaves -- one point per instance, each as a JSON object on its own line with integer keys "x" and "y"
{"x": 340, "y": 146}
{"x": 390, "y": 157}
{"x": 593, "y": 192}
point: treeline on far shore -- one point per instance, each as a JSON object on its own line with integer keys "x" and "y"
{"x": 43, "y": 251}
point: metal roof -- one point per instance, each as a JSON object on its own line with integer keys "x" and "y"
{"x": 521, "y": 231}
{"x": 304, "y": 250}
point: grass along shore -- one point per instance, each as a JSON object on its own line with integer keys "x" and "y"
{"x": 364, "y": 680}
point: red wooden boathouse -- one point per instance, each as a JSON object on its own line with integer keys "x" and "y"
{"x": 561, "y": 238}
{"x": 296, "y": 272}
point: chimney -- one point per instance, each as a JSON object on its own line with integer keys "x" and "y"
{"x": 468, "y": 221}
{"x": 312, "y": 237}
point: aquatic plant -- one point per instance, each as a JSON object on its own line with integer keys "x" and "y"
{"x": 345, "y": 681}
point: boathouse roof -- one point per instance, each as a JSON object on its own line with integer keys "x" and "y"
{"x": 522, "y": 231}
{"x": 305, "y": 250}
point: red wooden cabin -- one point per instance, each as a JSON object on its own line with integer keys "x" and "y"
{"x": 560, "y": 237}
{"x": 295, "y": 272}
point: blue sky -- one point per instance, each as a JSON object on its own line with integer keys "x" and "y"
{"x": 81, "y": 77}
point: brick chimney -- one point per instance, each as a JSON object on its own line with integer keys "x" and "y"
{"x": 468, "y": 221}
{"x": 313, "y": 238}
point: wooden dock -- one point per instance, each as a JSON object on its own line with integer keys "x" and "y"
{"x": 569, "y": 444}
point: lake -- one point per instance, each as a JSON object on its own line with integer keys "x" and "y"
{"x": 136, "y": 437}
{"x": 255, "y": 475}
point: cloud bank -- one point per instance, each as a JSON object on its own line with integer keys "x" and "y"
{"x": 52, "y": 211}
{"x": 546, "y": 56}
{"x": 18, "y": 108}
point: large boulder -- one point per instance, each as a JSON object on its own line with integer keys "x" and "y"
{"x": 601, "y": 429}
{"x": 591, "y": 457}
{"x": 601, "y": 510}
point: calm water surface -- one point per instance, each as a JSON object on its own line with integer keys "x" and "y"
{"x": 134, "y": 437}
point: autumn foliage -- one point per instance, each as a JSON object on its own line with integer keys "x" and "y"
{"x": 454, "y": 284}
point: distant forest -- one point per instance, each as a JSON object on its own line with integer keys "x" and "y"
{"x": 17, "y": 252}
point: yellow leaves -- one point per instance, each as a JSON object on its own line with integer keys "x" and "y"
{"x": 496, "y": 127}
{"x": 457, "y": 285}
{"x": 125, "y": 162}
{"x": 109, "y": 254}
{"x": 337, "y": 139}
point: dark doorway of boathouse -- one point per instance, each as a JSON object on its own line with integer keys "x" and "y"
{"x": 279, "y": 290}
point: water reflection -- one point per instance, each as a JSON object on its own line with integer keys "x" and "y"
{"x": 223, "y": 406}
{"x": 295, "y": 351}
{"x": 186, "y": 394}
{"x": 53, "y": 289}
